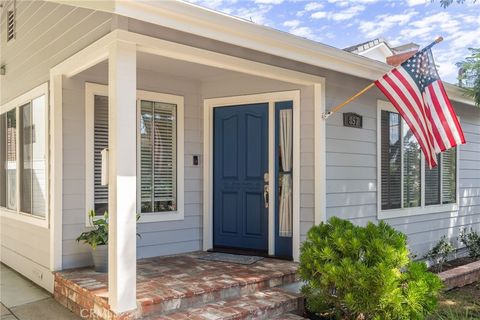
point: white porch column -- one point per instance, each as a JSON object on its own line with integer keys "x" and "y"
{"x": 122, "y": 86}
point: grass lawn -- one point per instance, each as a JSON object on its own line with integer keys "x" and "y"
{"x": 462, "y": 303}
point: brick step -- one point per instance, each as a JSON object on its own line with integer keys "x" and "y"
{"x": 267, "y": 304}
{"x": 173, "y": 284}
{"x": 188, "y": 292}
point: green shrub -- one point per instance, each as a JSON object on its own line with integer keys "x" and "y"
{"x": 440, "y": 253}
{"x": 364, "y": 273}
{"x": 98, "y": 235}
{"x": 472, "y": 241}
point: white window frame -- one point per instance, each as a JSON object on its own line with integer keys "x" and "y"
{"x": 16, "y": 103}
{"x": 93, "y": 89}
{"x": 406, "y": 212}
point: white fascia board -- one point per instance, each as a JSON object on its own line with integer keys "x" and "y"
{"x": 456, "y": 93}
{"x": 214, "y": 25}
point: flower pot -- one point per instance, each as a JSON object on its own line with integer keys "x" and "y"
{"x": 100, "y": 258}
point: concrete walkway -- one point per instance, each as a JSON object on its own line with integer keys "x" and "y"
{"x": 21, "y": 299}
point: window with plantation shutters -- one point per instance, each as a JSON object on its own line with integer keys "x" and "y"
{"x": 405, "y": 180}
{"x": 100, "y": 142}
{"x": 158, "y": 152}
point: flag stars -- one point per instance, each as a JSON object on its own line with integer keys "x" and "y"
{"x": 422, "y": 69}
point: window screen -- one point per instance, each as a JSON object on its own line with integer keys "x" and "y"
{"x": 3, "y": 159}
{"x": 33, "y": 157}
{"x": 158, "y": 150}
{"x": 11, "y": 165}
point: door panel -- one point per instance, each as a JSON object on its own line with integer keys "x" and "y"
{"x": 253, "y": 222}
{"x": 240, "y": 161}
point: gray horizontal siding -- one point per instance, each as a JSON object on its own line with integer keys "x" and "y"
{"x": 351, "y": 161}
{"x": 157, "y": 238}
{"x": 46, "y": 34}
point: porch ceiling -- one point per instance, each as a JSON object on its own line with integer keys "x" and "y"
{"x": 179, "y": 68}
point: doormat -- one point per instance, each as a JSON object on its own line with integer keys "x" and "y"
{"x": 232, "y": 258}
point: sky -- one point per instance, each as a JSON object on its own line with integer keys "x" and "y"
{"x": 342, "y": 23}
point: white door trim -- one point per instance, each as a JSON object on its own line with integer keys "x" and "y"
{"x": 270, "y": 98}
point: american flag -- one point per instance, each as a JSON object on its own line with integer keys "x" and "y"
{"x": 416, "y": 91}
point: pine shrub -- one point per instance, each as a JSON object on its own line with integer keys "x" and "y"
{"x": 365, "y": 273}
{"x": 440, "y": 253}
{"x": 471, "y": 240}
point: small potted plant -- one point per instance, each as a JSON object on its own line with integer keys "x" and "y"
{"x": 97, "y": 238}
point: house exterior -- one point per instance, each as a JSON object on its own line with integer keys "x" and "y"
{"x": 215, "y": 136}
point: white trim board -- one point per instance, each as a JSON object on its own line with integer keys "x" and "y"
{"x": 270, "y": 98}
{"x": 39, "y": 274}
{"x": 92, "y": 89}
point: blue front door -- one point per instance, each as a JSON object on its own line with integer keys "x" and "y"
{"x": 240, "y": 218}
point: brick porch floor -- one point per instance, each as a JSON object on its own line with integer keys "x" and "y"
{"x": 185, "y": 287}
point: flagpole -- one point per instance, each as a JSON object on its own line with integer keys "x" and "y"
{"x": 370, "y": 86}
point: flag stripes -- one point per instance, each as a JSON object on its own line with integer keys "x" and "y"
{"x": 417, "y": 93}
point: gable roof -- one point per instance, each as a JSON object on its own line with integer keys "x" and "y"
{"x": 360, "y": 47}
{"x": 204, "y": 22}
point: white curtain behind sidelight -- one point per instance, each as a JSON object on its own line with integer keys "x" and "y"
{"x": 286, "y": 198}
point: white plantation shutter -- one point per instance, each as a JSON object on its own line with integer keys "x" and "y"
{"x": 158, "y": 150}
{"x": 391, "y": 160}
{"x": 100, "y": 143}
{"x": 3, "y": 160}
{"x": 432, "y": 183}
{"x": 449, "y": 176}
{"x": 412, "y": 171}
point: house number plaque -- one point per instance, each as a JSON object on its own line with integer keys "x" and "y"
{"x": 351, "y": 119}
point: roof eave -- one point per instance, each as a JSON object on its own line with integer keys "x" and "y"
{"x": 208, "y": 23}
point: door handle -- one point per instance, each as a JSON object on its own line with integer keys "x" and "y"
{"x": 265, "y": 195}
{"x": 265, "y": 189}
